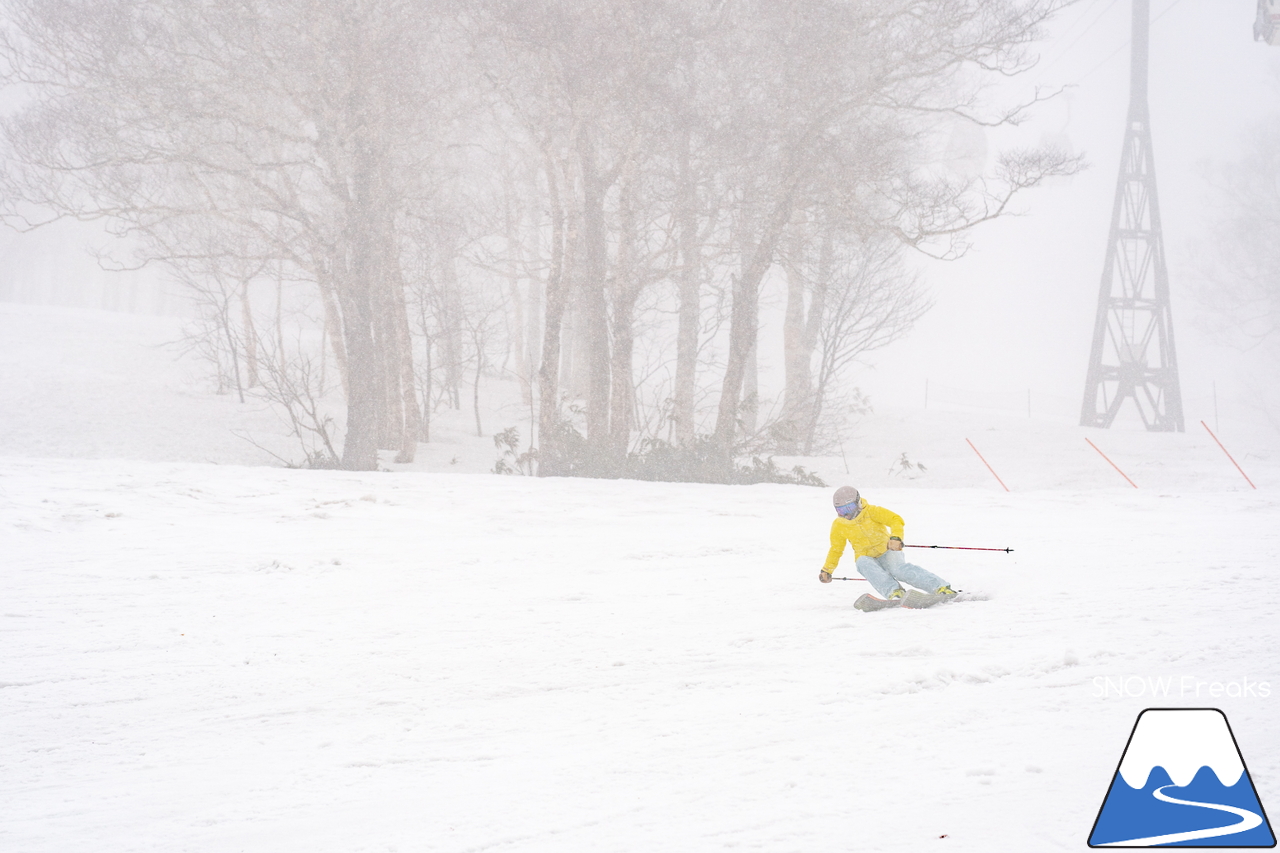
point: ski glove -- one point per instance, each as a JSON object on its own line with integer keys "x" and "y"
{"x": 895, "y": 544}
{"x": 824, "y": 576}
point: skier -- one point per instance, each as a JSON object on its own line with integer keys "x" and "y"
{"x": 876, "y": 536}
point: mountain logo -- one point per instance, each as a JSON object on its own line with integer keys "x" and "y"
{"x": 1181, "y": 782}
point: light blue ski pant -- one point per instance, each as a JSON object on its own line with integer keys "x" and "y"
{"x": 890, "y": 569}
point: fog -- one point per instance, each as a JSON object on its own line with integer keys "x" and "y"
{"x": 1020, "y": 308}
{"x": 684, "y": 265}
{"x": 1012, "y": 306}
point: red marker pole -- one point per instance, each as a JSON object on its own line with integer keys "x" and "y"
{"x": 1112, "y": 464}
{"x": 1229, "y": 456}
{"x": 989, "y": 468}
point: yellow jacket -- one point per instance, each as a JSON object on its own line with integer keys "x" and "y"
{"x": 868, "y": 533}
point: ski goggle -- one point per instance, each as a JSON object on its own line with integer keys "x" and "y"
{"x": 850, "y": 510}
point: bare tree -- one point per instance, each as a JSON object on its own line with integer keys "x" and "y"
{"x": 629, "y": 175}
{"x": 294, "y": 129}
{"x": 869, "y": 302}
{"x": 590, "y": 87}
{"x": 848, "y": 88}
{"x": 1239, "y": 268}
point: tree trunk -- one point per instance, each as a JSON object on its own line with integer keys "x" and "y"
{"x": 391, "y": 408}
{"x": 360, "y": 445}
{"x": 800, "y": 336}
{"x": 813, "y": 326}
{"x": 333, "y": 328}
{"x": 518, "y": 327}
{"x": 532, "y": 336}
{"x": 626, "y": 290}
{"x": 512, "y": 222}
{"x": 799, "y": 383}
{"x": 594, "y": 311}
{"x": 282, "y": 359}
{"x": 386, "y": 392}
{"x": 250, "y": 338}
{"x": 550, "y": 453}
{"x": 450, "y": 337}
{"x": 744, "y": 318}
{"x": 478, "y": 340}
{"x": 408, "y": 381}
{"x": 428, "y": 404}
{"x": 690, "y": 300}
{"x": 362, "y": 265}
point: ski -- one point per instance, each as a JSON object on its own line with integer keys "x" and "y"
{"x": 917, "y": 600}
{"x": 913, "y": 600}
{"x": 868, "y": 603}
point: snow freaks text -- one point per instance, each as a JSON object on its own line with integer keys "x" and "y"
{"x": 1184, "y": 687}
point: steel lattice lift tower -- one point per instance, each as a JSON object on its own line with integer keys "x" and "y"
{"x": 1133, "y": 355}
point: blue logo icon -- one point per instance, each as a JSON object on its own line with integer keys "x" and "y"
{"x": 1181, "y": 783}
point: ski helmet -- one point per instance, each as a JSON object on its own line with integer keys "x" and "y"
{"x": 846, "y": 501}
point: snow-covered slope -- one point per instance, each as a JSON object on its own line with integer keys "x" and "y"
{"x": 224, "y": 657}
{"x": 85, "y": 384}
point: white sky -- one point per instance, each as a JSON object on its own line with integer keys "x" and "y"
{"x": 1018, "y": 312}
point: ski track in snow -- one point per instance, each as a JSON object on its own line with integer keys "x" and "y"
{"x": 204, "y": 657}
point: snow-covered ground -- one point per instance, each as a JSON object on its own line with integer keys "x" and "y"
{"x": 205, "y": 653}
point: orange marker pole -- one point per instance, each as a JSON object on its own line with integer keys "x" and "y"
{"x": 989, "y": 468}
{"x": 1113, "y": 465}
{"x": 1229, "y": 456}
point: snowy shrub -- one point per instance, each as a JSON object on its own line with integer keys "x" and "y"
{"x": 512, "y": 461}
{"x": 702, "y": 461}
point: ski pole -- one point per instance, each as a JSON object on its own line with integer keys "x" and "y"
{"x": 848, "y": 579}
{"x": 961, "y": 548}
